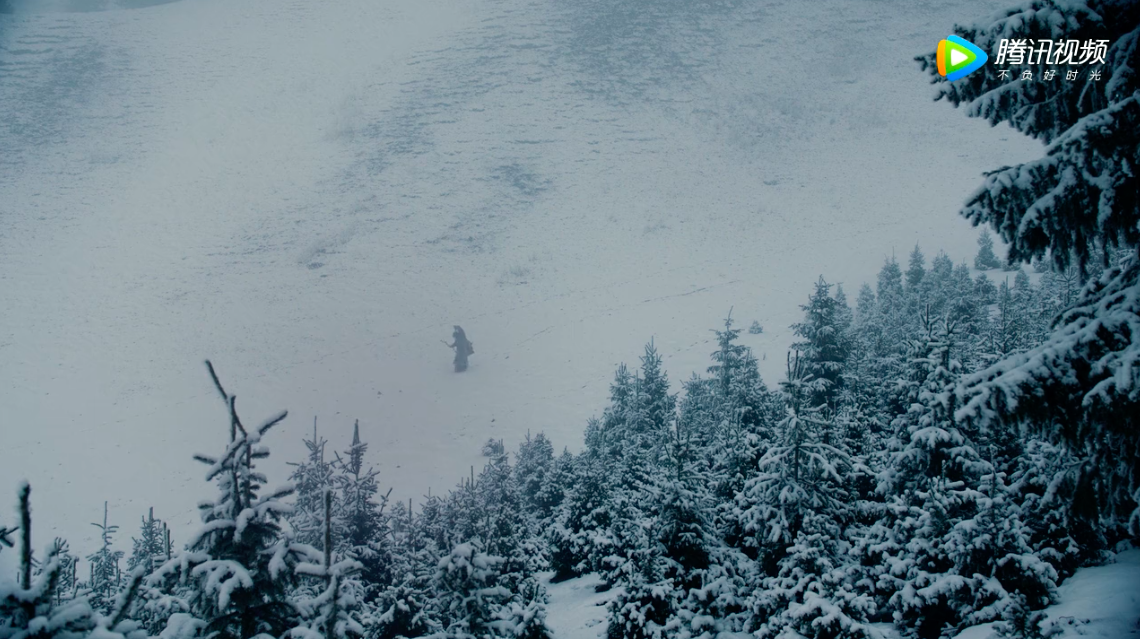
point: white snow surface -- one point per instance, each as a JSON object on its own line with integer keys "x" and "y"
{"x": 312, "y": 194}
{"x": 575, "y": 610}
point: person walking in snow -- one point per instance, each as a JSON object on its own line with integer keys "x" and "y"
{"x": 462, "y": 348}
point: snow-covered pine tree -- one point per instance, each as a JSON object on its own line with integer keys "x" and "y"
{"x": 1081, "y": 386}
{"x": 534, "y": 462}
{"x": 400, "y": 520}
{"x": 643, "y": 607}
{"x": 890, "y": 282}
{"x": 32, "y": 608}
{"x": 629, "y": 432}
{"x": 236, "y": 573}
{"x": 844, "y": 314}
{"x": 1022, "y": 289}
{"x": 984, "y": 290}
{"x": 627, "y": 545}
{"x": 865, "y": 304}
{"x": 1034, "y": 306}
{"x": 149, "y": 548}
{"x": 623, "y": 449}
{"x": 156, "y": 604}
{"x": 524, "y": 616}
{"x": 741, "y": 393}
{"x": 311, "y": 478}
{"x": 1061, "y": 287}
{"x": 963, "y": 558}
{"x": 927, "y": 490}
{"x": 522, "y": 612}
{"x": 916, "y": 269}
{"x": 654, "y": 407}
{"x": 890, "y": 294}
{"x": 705, "y": 599}
{"x": 68, "y": 585}
{"x": 683, "y": 523}
{"x": 796, "y": 509}
{"x": 963, "y": 305}
{"x": 552, "y": 492}
{"x": 431, "y": 524}
{"x": 892, "y": 320}
{"x": 986, "y": 259}
{"x": 996, "y": 546}
{"x": 646, "y": 599}
{"x": 1021, "y": 622}
{"x": 870, "y": 352}
{"x": 1006, "y": 326}
{"x": 578, "y": 536}
{"x": 468, "y": 595}
{"x": 1046, "y": 477}
{"x": 604, "y": 436}
{"x": 464, "y": 512}
{"x": 823, "y": 346}
{"x": 503, "y": 529}
{"x": 106, "y": 577}
{"x": 634, "y": 473}
{"x": 951, "y": 549}
{"x": 940, "y": 290}
{"x": 728, "y": 357}
{"x": 702, "y": 413}
{"x": 725, "y": 451}
{"x": 797, "y": 474}
{"x": 331, "y": 613}
{"x": 728, "y": 421}
{"x": 407, "y": 608}
{"x": 365, "y": 531}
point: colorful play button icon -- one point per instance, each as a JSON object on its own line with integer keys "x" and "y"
{"x": 958, "y": 58}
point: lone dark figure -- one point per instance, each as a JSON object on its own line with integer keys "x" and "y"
{"x": 462, "y": 348}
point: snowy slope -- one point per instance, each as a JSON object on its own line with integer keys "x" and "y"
{"x": 312, "y": 194}
{"x": 575, "y": 610}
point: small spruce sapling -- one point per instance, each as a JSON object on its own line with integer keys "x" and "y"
{"x": 236, "y": 573}
{"x": 986, "y": 259}
{"x": 32, "y": 607}
{"x": 105, "y": 573}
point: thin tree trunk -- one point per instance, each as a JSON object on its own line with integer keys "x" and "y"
{"x": 330, "y": 579}
{"x": 150, "y": 553}
{"x": 25, "y": 537}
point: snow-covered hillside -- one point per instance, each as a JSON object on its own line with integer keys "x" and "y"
{"x": 577, "y": 610}
{"x": 311, "y": 194}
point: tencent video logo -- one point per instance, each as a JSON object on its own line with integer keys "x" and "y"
{"x": 958, "y": 58}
